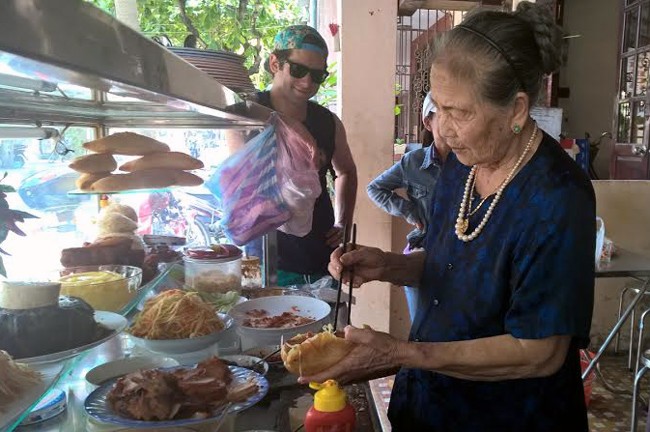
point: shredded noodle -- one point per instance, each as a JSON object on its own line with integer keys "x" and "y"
{"x": 15, "y": 378}
{"x": 176, "y": 314}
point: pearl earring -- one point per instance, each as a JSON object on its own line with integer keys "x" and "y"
{"x": 516, "y": 129}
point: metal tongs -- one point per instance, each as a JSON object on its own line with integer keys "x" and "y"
{"x": 347, "y": 247}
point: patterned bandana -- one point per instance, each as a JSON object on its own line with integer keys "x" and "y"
{"x": 300, "y": 37}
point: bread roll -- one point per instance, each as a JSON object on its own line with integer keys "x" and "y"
{"x": 308, "y": 354}
{"x": 126, "y": 143}
{"x": 147, "y": 179}
{"x": 184, "y": 178}
{"x": 86, "y": 180}
{"x": 122, "y": 209}
{"x": 137, "y": 242}
{"x": 112, "y": 223}
{"x": 94, "y": 163}
{"x": 168, "y": 160}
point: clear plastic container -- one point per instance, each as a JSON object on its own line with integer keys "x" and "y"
{"x": 251, "y": 272}
{"x": 213, "y": 275}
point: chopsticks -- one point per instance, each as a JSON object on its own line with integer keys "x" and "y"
{"x": 339, "y": 285}
{"x": 354, "y": 246}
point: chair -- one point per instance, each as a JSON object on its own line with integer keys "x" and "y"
{"x": 633, "y": 286}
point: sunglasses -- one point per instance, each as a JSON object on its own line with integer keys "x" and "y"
{"x": 297, "y": 70}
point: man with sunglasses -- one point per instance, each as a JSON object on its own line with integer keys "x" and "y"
{"x": 298, "y": 64}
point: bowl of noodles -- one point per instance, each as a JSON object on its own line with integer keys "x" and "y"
{"x": 178, "y": 321}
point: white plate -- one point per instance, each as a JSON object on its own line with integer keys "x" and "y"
{"x": 112, "y": 321}
{"x": 180, "y": 346}
{"x": 97, "y": 407}
{"x": 114, "y": 369}
{"x": 50, "y": 373}
{"x": 302, "y": 306}
{"x": 247, "y": 361}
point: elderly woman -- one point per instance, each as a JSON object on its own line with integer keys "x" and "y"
{"x": 507, "y": 275}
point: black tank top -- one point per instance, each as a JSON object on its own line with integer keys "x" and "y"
{"x": 310, "y": 254}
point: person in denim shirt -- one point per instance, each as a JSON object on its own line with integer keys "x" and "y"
{"x": 417, "y": 172}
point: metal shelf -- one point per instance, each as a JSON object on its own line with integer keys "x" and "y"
{"x": 73, "y": 42}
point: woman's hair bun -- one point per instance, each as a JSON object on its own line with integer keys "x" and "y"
{"x": 548, "y": 34}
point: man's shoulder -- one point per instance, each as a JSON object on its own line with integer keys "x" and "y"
{"x": 414, "y": 156}
{"x": 320, "y": 110}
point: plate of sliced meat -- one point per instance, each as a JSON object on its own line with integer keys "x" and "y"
{"x": 176, "y": 396}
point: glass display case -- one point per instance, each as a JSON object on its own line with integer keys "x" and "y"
{"x": 70, "y": 73}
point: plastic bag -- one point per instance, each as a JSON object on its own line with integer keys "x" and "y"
{"x": 247, "y": 186}
{"x": 297, "y": 168}
{"x": 272, "y": 183}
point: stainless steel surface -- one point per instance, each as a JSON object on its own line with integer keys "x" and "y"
{"x": 639, "y": 151}
{"x": 73, "y": 42}
{"x": 270, "y": 259}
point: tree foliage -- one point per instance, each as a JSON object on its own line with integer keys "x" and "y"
{"x": 246, "y": 27}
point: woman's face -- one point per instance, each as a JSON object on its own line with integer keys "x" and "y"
{"x": 477, "y": 132}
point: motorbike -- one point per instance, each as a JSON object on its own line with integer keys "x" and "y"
{"x": 47, "y": 191}
{"x": 194, "y": 216}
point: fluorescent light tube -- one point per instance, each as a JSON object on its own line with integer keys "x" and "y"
{"x": 28, "y": 132}
{"x": 26, "y": 83}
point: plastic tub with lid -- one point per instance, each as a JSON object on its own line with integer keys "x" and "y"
{"x": 215, "y": 269}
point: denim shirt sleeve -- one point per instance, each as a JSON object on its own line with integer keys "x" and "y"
{"x": 381, "y": 192}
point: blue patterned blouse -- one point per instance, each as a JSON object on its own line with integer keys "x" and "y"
{"x": 530, "y": 273}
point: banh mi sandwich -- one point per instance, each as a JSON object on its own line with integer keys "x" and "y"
{"x": 311, "y": 353}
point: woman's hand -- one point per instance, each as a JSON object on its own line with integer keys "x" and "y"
{"x": 375, "y": 355}
{"x": 369, "y": 264}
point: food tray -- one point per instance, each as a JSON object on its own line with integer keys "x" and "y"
{"x": 97, "y": 407}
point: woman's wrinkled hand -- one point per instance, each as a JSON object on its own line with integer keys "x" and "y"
{"x": 375, "y": 354}
{"x": 369, "y": 264}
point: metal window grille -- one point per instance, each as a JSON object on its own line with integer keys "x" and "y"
{"x": 415, "y": 35}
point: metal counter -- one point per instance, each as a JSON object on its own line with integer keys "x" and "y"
{"x": 281, "y": 410}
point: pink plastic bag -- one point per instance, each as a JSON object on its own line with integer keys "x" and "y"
{"x": 272, "y": 183}
{"x": 297, "y": 168}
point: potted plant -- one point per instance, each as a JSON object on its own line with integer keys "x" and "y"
{"x": 8, "y": 220}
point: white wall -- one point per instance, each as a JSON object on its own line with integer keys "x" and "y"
{"x": 590, "y": 72}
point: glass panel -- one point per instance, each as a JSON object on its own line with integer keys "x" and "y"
{"x": 38, "y": 170}
{"x": 627, "y": 77}
{"x": 642, "y": 67}
{"x": 629, "y": 2}
{"x": 638, "y": 122}
{"x": 624, "y": 119}
{"x": 631, "y": 22}
{"x": 644, "y": 29}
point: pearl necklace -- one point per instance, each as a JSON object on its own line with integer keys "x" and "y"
{"x": 462, "y": 222}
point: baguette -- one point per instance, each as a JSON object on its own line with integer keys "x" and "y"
{"x": 86, "y": 180}
{"x": 309, "y": 353}
{"x": 94, "y": 163}
{"x": 167, "y": 160}
{"x": 126, "y": 143}
{"x": 184, "y": 178}
{"x": 148, "y": 179}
